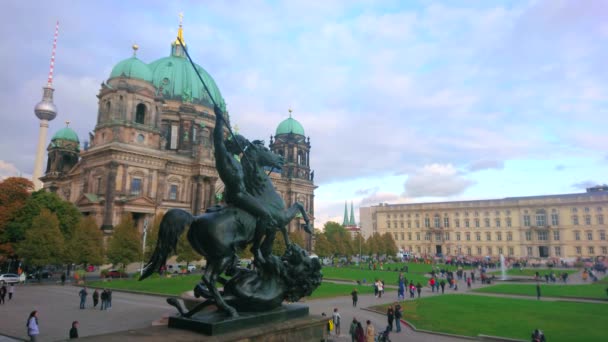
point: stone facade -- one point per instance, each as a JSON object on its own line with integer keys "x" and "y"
{"x": 555, "y": 226}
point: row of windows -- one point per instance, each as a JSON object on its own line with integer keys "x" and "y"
{"x": 589, "y": 234}
{"x": 446, "y": 223}
{"x": 540, "y": 222}
{"x": 541, "y": 236}
{"x": 496, "y": 213}
{"x": 557, "y": 250}
{"x": 136, "y": 189}
{"x": 446, "y": 236}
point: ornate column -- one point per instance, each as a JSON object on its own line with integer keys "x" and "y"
{"x": 110, "y": 191}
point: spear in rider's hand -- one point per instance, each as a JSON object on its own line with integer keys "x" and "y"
{"x": 211, "y": 97}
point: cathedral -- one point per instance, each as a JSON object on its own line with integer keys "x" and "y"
{"x": 152, "y": 148}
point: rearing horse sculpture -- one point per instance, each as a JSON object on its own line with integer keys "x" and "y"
{"x": 222, "y": 231}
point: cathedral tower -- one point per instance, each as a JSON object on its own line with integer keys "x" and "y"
{"x": 296, "y": 180}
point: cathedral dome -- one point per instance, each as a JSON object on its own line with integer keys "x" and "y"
{"x": 66, "y": 133}
{"x": 290, "y": 125}
{"x": 132, "y": 68}
{"x": 175, "y": 79}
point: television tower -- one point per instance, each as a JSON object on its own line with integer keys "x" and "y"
{"x": 45, "y": 111}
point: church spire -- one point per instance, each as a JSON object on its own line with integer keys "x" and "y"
{"x": 345, "y": 221}
{"x": 180, "y": 30}
{"x": 352, "y": 214}
{"x": 176, "y": 47}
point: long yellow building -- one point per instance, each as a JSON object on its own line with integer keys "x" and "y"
{"x": 553, "y": 226}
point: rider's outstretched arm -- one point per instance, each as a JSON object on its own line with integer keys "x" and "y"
{"x": 226, "y": 164}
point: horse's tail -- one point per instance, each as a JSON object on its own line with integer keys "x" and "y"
{"x": 171, "y": 227}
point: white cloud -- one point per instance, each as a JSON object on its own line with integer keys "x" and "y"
{"x": 9, "y": 170}
{"x": 436, "y": 180}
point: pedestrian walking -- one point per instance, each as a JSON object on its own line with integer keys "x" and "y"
{"x": 74, "y": 330}
{"x": 355, "y": 297}
{"x": 390, "y": 315}
{"x": 83, "y": 297}
{"x": 376, "y": 288}
{"x": 104, "y": 299}
{"x": 469, "y": 282}
{"x": 336, "y": 318}
{"x": 538, "y": 291}
{"x": 32, "y": 326}
{"x": 418, "y": 289}
{"x": 95, "y": 298}
{"x": 380, "y": 289}
{"x": 370, "y": 332}
{"x": 359, "y": 333}
{"x": 398, "y": 311}
{"x": 109, "y": 300}
{"x": 353, "y": 330}
{"x": 63, "y": 278}
{"x": 2, "y": 293}
{"x": 442, "y": 284}
{"x": 11, "y": 291}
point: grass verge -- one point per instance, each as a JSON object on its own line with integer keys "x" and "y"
{"x": 515, "y": 318}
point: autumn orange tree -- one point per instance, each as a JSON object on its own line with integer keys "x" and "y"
{"x": 14, "y": 192}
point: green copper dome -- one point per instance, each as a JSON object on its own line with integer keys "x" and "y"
{"x": 132, "y": 68}
{"x": 178, "y": 81}
{"x": 290, "y": 125}
{"x": 66, "y": 133}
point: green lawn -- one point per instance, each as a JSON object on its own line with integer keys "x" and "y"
{"x": 412, "y": 267}
{"x": 515, "y": 318}
{"x": 531, "y": 272}
{"x": 176, "y": 285}
{"x": 327, "y": 290}
{"x": 591, "y": 291}
{"x": 354, "y": 274}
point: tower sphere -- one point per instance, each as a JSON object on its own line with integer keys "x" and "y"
{"x": 45, "y": 110}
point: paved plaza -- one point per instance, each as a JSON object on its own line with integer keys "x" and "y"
{"x": 58, "y": 306}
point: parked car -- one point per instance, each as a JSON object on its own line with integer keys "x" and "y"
{"x": 116, "y": 274}
{"x": 8, "y": 278}
{"x": 44, "y": 274}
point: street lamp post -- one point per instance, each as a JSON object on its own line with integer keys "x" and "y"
{"x": 143, "y": 249}
{"x": 360, "y": 248}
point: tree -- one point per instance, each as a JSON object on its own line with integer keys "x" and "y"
{"x": 185, "y": 252}
{"x": 43, "y": 242}
{"x": 390, "y": 248}
{"x": 86, "y": 245}
{"x": 322, "y": 246}
{"x": 14, "y": 192}
{"x": 66, "y": 212}
{"x": 124, "y": 246}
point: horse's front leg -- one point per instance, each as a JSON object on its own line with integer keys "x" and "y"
{"x": 210, "y": 277}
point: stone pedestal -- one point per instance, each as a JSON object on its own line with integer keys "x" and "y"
{"x": 304, "y": 329}
{"x": 213, "y": 322}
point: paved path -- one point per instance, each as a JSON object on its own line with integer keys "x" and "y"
{"x": 58, "y": 307}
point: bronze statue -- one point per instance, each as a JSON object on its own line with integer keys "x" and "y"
{"x": 254, "y": 211}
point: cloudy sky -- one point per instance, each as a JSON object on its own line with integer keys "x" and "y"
{"x": 428, "y": 101}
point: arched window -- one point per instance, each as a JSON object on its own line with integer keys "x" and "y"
{"x": 140, "y": 113}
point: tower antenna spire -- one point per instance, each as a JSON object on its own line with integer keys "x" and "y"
{"x": 49, "y": 82}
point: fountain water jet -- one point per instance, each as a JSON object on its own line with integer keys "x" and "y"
{"x": 503, "y": 268}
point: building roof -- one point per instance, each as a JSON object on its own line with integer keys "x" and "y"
{"x": 66, "y": 133}
{"x": 290, "y": 125}
{"x": 174, "y": 77}
{"x": 132, "y": 68}
{"x": 508, "y": 199}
